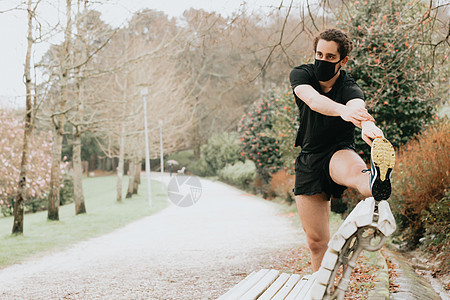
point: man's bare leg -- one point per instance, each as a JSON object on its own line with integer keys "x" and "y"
{"x": 314, "y": 212}
{"x": 345, "y": 169}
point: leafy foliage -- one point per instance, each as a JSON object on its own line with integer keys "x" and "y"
{"x": 89, "y": 145}
{"x": 221, "y": 149}
{"x": 285, "y": 125}
{"x": 281, "y": 184}
{"x": 421, "y": 179}
{"x": 258, "y": 143}
{"x": 66, "y": 191}
{"x": 391, "y": 66}
{"x": 437, "y": 235}
{"x": 240, "y": 174}
{"x": 38, "y": 173}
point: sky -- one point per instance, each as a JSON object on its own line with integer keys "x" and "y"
{"x": 13, "y": 28}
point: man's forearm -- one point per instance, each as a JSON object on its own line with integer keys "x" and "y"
{"x": 325, "y": 106}
{"x": 352, "y": 112}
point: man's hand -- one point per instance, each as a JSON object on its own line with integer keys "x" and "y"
{"x": 355, "y": 114}
{"x": 370, "y": 131}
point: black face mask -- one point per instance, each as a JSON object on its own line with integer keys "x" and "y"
{"x": 325, "y": 70}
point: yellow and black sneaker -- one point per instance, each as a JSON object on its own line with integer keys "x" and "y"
{"x": 382, "y": 162}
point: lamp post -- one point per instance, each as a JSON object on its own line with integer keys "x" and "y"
{"x": 144, "y": 93}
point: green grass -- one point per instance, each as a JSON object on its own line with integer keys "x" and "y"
{"x": 104, "y": 214}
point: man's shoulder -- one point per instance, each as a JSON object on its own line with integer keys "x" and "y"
{"x": 348, "y": 79}
{"x": 305, "y": 67}
{"x": 351, "y": 88}
{"x": 303, "y": 74}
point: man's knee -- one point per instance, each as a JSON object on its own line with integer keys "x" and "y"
{"x": 317, "y": 245}
{"x": 345, "y": 169}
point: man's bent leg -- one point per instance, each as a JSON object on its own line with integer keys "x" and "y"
{"x": 346, "y": 169}
{"x": 314, "y": 212}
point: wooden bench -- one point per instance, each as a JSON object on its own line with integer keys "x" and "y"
{"x": 366, "y": 228}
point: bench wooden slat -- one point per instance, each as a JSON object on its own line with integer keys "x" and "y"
{"x": 237, "y": 286}
{"x": 302, "y": 290}
{"x": 323, "y": 275}
{"x": 386, "y": 222}
{"x": 336, "y": 242}
{"x": 348, "y": 228}
{"x": 242, "y": 289}
{"x": 329, "y": 259}
{"x": 364, "y": 215}
{"x": 261, "y": 285}
{"x": 317, "y": 291}
{"x": 287, "y": 287}
{"x": 275, "y": 287}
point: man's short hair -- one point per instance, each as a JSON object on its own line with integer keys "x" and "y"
{"x": 345, "y": 44}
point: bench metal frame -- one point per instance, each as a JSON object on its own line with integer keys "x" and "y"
{"x": 366, "y": 228}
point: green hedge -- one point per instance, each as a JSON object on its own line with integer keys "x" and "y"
{"x": 240, "y": 174}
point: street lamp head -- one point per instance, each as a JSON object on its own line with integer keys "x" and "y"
{"x": 144, "y": 91}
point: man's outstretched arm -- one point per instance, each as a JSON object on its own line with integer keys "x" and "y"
{"x": 354, "y": 113}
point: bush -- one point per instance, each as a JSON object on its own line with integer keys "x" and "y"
{"x": 437, "y": 232}
{"x": 420, "y": 181}
{"x": 200, "y": 168}
{"x": 36, "y": 204}
{"x": 240, "y": 174}
{"x": 258, "y": 143}
{"x": 282, "y": 184}
{"x": 221, "y": 149}
{"x": 391, "y": 63}
{"x": 38, "y": 173}
{"x": 66, "y": 191}
{"x": 285, "y": 125}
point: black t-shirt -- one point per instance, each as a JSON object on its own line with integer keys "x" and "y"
{"x": 317, "y": 132}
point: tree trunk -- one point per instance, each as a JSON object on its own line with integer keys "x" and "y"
{"x": 196, "y": 137}
{"x": 137, "y": 175}
{"x": 58, "y": 121}
{"x": 55, "y": 184}
{"x": 21, "y": 191}
{"x": 121, "y": 160}
{"x": 80, "y": 207}
{"x": 131, "y": 173}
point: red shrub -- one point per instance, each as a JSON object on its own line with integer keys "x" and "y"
{"x": 420, "y": 179}
{"x": 282, "y": 184}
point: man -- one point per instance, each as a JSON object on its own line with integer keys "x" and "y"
{"x": 331, "y": 104}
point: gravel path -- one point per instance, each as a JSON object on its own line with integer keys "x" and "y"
{"x": 197, "y": 252}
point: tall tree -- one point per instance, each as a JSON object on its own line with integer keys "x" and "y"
{"x": 21, "y": 191}
{"x": 58, "y": 117}
{"x": 92, "y": 35}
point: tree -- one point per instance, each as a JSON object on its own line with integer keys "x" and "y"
{"x": 143, "y": 54}
{"x": 91, "y": 36}
{"x": 58, "y": 116}
{"x": 21, "y": 191}
{"x": 38, "y": 158}
{"x": 392, "y": 65}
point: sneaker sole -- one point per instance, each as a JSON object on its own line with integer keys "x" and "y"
{"x": 383, "y": 158}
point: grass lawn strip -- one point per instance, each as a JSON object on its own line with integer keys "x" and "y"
{"x": 104, "y": 214}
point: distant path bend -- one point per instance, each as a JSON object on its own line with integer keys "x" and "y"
{"x": 180, "y": 253}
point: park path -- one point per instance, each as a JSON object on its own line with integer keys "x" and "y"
{"x": 197, "y": 252}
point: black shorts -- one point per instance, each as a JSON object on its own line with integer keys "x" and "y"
{"x": 312, "y": 173}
